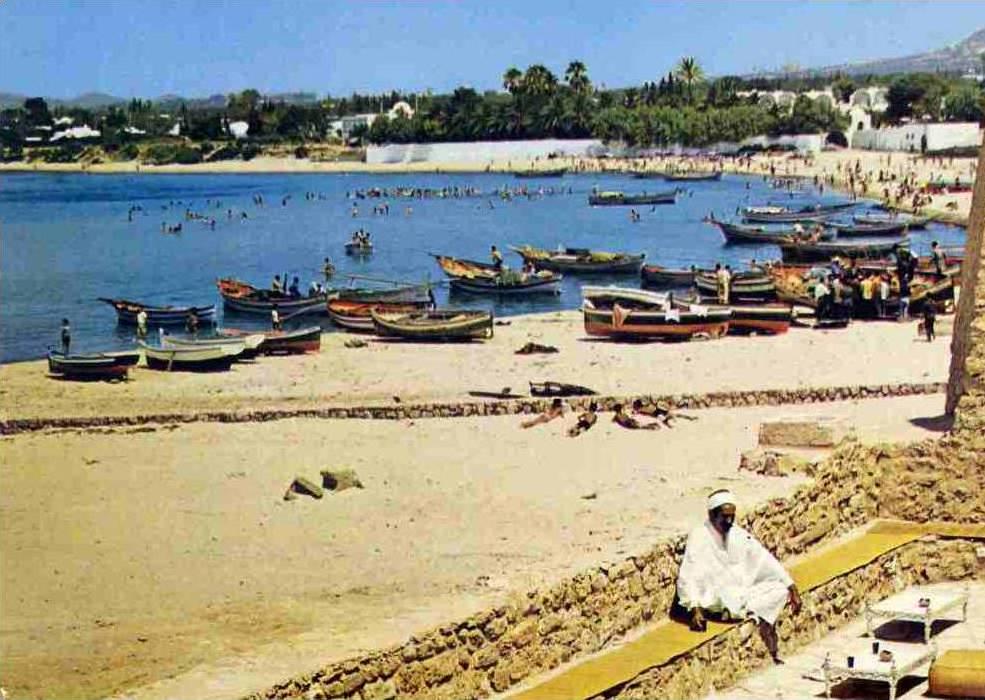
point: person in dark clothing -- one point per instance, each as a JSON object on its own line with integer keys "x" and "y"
{"x": 191, "y": 323}
{"x": 66, "y": 336}
{"x": 295, "y": 290}
{"x": 929, "y": 319}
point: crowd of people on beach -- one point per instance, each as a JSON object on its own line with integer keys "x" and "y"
{"x": 655, "y": 416}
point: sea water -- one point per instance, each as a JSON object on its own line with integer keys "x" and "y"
{"x": 67, "y": 239}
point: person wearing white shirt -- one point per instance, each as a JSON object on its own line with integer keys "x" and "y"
{"x": 727, "y": 571}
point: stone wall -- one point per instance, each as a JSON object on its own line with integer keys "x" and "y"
{"x": 721, "y": 662}
{"x": 967, "y": 375}
{"x": 537, "y": 631}
{"x": 725, "y": 399}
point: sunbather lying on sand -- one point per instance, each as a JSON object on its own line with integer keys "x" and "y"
{"x": 585, "y": 421}
{"x": 556, "y": 410}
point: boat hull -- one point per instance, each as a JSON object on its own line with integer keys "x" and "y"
{"x": 820, "y": 252}
{"x": 657, "y": 276}
{"x": 551, "y": 285}
{"x": 213, "y": 359}
{"x": 579, "y": 261}
{"x": 126, "y": 313}
{"x": 758, "y": 287}
{"x": 633, "y": 199}
{"x": 443, "y": 326}
{"x": 646, "y": 324}
{"x": 94, "y": 366}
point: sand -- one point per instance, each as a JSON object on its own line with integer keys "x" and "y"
{"x": 864, "y": 353}
{"x": 132, "y": 556}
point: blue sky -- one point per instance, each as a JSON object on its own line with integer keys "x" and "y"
{"x": 147, "y": 48}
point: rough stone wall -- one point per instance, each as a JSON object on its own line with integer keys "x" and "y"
{"x": 721, "y": 662}
{"x": 462, "y": 409}
{"x": 536, "y": 632}
{"x": 967, "y": 375}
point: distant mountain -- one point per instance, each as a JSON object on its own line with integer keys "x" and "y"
{"x": 958, "y": 58}
{"x": 90, "y": 100}
{"x": 10, "y": 99}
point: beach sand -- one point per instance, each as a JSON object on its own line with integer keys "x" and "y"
{"x": 133, "y": 555}
{"x": 163, "y": 559}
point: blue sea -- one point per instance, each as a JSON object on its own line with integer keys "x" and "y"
{"x": 67, "y": 239}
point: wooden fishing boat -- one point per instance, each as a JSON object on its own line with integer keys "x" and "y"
{"x": 94, "y": 366}
{"x": 898, "y": 228}
{"x": 657, "y": 276}
{"x": 435, "y": 325}
{"x": 648, "y": 174}
{"x": 607, "y": 297}
{"x": 510, "y": 283}
{"x": 772, "y": 318}
{"x": 771, "y": 214}
{"x": 216, "y": 358}
{"x": 417, "y": 294}
{"x": 553, "y": 172}
{"x": 358, "y": 248}
{"x": 693, "y": 176}
{"x": 126, "y": 312}
{"x": 245, "y": 298}
{"x": 580, "y": 260}
{"x": 679, "y": 323}
{"x": 813, "y": 252}
{"x": 753, "y": 285}
{"x": 459, "y": 267}
{"x": 355, "y": 315}
{"x": 297, "y": 341}
{"x": 912, "y": 222}
{"x": 615, "y": 199}
{"x": 252, "y": 344}
{"x": 743, "y": 233}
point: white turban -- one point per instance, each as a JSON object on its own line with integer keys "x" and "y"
{"x": 720, "y": 498}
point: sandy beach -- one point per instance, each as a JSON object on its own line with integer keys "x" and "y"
{"x": 161, "y": 560}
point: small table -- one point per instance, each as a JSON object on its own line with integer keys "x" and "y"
{"x": 906, "y": 606}
{"x": 867, "y": 666}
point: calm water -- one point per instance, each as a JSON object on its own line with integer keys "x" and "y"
{"x": 66, "y": 239}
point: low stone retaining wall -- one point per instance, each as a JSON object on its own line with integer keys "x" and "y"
{"x": 721, "y": 662}
{"x": 726, "y": 399}
{"x": 537, "y": 631}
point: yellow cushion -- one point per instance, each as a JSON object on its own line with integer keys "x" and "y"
{"x": 959, "y": 674}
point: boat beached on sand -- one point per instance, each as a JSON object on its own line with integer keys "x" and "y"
{"x": 94, "y": 366}
{"x": 215, "y": 358}
{"x": 435, "y": 325}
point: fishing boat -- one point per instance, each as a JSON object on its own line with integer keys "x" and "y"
{"x": 553, "y": 172}
{"x": 297, "y": 341}
{"x": 772, "y": 214}
{"x": 245, "y": 298}
{"x": 510, "y": 283}
{"x": 355, "y": 315}
{"x": 743, "y": 233}
{"x": 459, "y": 267}
{"x": 912, "y": 222}
{"x": 771, "y": 318}
{"x": 358, "y": 248}
{"x": 648, "y": 174}
{"x": 98, "y": 365}
{"x": 126, "y": 312}
{"x": 607, "y": 297}
{"x": 435, "y": 325}
{"x": 417, "y": 294}
{"x": 215, "y": 358}
{"x": 580, "y": 260}
{"x": 658, "y": 276}
{"x": 252, "y": 344}
{"x": 612, "y": 199}
{"x": 622, "y": 199}
{"x": 825, "y": 250}
{"x": 753, "y": 285}
{"x": 681, "y": 322}
{"x": 897, "y": 228}
{"x": 692, "y": 176}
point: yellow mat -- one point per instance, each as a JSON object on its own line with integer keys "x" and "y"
{"x": 669, "y": 640}
{"x": 959, "y": 673}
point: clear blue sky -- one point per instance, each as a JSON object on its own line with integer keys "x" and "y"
{"x": 146, "y": 48}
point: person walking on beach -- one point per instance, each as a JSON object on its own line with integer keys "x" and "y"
{"x": 937, "y": 258}
{"x": 275, "y": 318}
{"x": 66, "y": 336}
{"x": 142, "y": 323}
{"x": 929, "y": 319}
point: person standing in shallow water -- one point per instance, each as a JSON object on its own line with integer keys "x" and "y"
{"x": 66, "y": 336}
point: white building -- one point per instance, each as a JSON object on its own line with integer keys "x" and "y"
{"x": 351, "y": 122}
{"x": 239, "y": 130}
{"x": 76, "y": 132}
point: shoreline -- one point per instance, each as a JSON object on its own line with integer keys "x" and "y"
{"x": 950, "y": 208}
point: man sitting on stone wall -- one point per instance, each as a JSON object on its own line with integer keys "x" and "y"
{"x": 728, "y": 573}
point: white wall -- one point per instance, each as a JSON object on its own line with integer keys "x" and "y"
{"x": 908, "y": 137}
{"x": 482, "y": 151}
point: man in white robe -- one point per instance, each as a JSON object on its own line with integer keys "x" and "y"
{"x": 726, "y": 571}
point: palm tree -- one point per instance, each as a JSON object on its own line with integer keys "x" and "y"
{"x": 512, "y": 80}
{"x": 538, "y": 80}
{"x": 690, "y": 72}
{"x": 630, "y": 98}
{"x": 577, "y": 77}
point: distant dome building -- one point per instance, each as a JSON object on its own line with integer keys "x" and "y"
{"x": 401, "y": 107}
